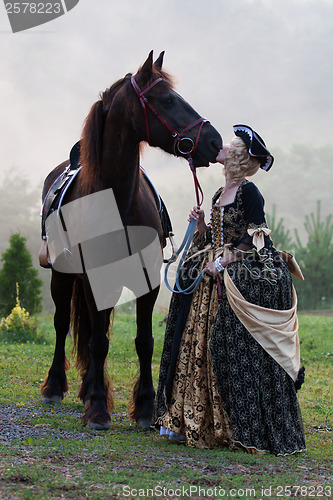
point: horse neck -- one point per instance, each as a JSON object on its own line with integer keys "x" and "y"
{"x": 120, "y": 170}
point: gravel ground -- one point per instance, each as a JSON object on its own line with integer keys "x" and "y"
{"x": 15, "y": 423}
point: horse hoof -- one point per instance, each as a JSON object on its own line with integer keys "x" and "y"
{"x": 99, "y": 427}
{"x": 49, "y": 400}
{"x": 144, "y": 424}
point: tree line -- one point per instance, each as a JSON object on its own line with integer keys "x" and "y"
{"x": 315, "y": 258}
{"x": 298, "y": 179}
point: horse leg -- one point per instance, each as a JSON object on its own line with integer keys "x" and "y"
{"x": 99, "y": 401}
{"x": 142, "y": 404}
{"x": 96, "y": 389}
{"x": 55, "y": 384}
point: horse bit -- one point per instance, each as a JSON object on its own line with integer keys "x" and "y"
{"x": 185, "y": 146}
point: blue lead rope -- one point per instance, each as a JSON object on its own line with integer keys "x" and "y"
{"x": 186, "y": 241}
{"x": 185, "y": 244}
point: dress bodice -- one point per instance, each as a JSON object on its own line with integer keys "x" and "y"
{"x": 229, "y": 224}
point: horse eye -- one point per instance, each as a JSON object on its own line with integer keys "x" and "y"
{"x": 168, "y": 102}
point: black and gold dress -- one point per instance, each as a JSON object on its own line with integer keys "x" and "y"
{"x": 218, "y": 385}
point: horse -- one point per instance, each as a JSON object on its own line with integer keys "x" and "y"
{"x": 138, "y": 108}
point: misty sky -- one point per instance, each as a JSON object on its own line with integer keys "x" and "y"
{"x": 265, "y": 63}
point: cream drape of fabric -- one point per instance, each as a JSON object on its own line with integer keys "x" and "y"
{"x": 275, "y": 330}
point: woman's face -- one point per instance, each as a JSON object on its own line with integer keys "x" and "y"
{"x": 222, "y": 154}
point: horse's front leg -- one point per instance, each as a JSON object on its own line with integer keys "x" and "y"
{"x": 142, "y": 404}
{"x": 55, "y": 384}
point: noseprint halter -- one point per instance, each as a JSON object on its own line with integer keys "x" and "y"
{"x": 182, "y": 144}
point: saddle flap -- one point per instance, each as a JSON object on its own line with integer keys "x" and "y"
{"x": 44, "y": 257}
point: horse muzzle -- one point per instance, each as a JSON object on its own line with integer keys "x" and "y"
{"x": 208, "y": 147}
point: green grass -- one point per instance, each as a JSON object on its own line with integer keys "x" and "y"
{"x": 69, "y": 461}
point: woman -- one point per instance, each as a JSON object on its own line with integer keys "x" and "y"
{"x": 230, "y": 363}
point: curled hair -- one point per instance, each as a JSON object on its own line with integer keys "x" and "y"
{"x": 238, "y": 162}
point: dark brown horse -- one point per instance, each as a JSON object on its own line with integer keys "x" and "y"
{"x": 140, "y": 107}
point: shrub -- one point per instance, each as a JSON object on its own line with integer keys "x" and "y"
{"x": 18, "y": 268}
{"x": 19, "y": 326}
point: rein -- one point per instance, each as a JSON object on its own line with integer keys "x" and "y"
{"x": 185, "y": 146}
{"x": 185, "y": 245}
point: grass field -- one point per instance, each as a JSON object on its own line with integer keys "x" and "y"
{"x": 46, "y": 452}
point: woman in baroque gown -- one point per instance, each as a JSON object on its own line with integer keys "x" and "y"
{"x": 230, "y": 366}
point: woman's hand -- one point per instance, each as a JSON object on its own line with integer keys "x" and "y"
{"x": 199, "y": 215}
{"x": 196, "y": 214}
{"x": 211, "y": 268}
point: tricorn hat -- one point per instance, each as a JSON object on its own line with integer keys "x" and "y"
{"x": 255, "y": 145}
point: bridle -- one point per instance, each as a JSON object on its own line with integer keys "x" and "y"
{"x": 182, "y": 144}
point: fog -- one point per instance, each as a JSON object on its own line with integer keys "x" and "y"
{"x": 265, "y": 63}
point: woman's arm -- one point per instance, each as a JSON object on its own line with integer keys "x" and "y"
{"x": 227, "y": 259}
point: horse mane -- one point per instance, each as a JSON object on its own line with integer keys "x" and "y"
{"x": 92, "y": 137}
{"x": 92, "y": 134}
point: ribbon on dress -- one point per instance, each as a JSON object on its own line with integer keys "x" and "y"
{"x": 258, "y": 235}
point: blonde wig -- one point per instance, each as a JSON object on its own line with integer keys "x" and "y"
{"x": 238, "y": 163}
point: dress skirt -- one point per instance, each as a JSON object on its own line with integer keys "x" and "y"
{"x": 217, "y": 385}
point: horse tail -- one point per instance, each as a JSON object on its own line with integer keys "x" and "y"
{"x": 81, "y": 328}
{"x": 91, "y": 146}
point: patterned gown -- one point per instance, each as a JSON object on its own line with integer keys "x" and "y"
{"x": 217, "y": 385}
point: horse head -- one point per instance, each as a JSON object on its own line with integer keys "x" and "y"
{"x": 168, "y": 121}
{"x": 144, "y": 107}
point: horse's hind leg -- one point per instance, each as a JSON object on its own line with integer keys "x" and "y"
{"x": 95, "y": 390}
{"x": 144, "y": 394}
{"x": 55, "y": 385}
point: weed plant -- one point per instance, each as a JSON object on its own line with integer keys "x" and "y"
{"x": 19, "y": 326}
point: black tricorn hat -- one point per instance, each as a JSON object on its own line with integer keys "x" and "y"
{"x": 255, "y": 145}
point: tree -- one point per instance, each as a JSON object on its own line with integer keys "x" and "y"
{"x": 280, "y": 236}
{"x": 18, "y": 269}
{"x": 19, "y": 210}
{"x": 315, "y": 259}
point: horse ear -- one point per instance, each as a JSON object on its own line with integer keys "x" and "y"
{"x": 159, "y": 61}
{"x": 147, "y": 67}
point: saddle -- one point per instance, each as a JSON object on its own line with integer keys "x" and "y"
{"x": 57, "y": 191}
